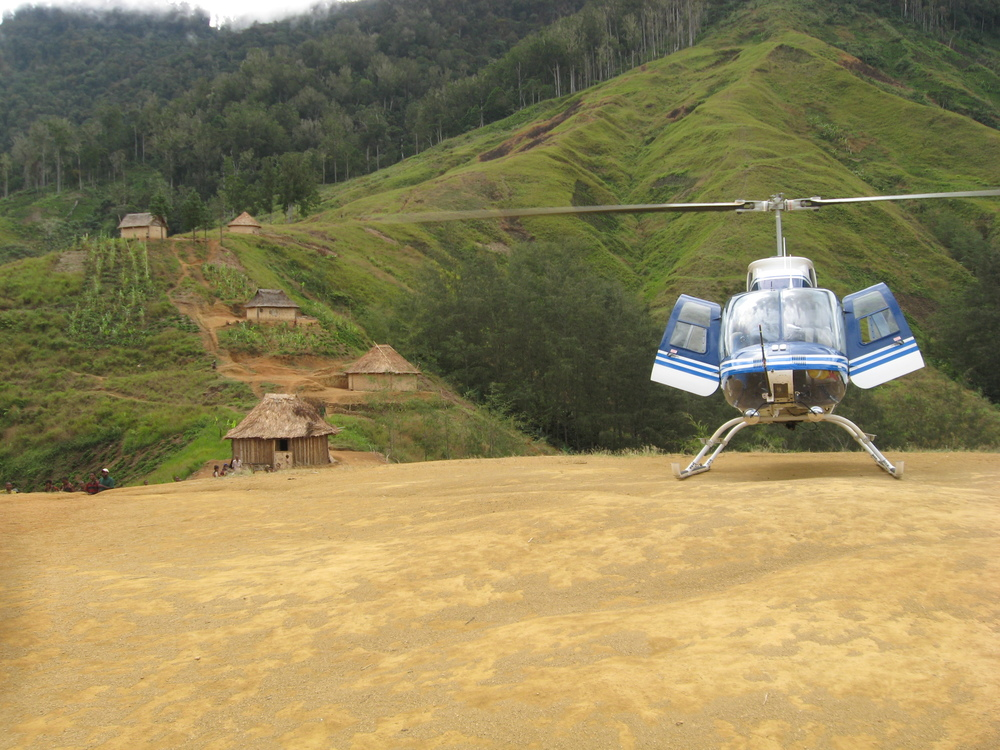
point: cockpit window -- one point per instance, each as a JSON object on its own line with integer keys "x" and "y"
{"x": 874, "y": 317}
{"x": 783, "y": 282}
{"x": 807, "y": 315}
{"x": 746, "y": 313}
{"x": 691, "y": 330}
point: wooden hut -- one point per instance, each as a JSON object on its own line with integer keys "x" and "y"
{"x": 282, "y": 431}
{"x": 271, "y": 306}
{"x": 143, "y": 227}
{"x": 382, "y": 368}
{"x": 243, "y": 224}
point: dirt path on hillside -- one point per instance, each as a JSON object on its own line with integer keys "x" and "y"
{"x": 778, "y": 601}
{"x": 313, "y": 377}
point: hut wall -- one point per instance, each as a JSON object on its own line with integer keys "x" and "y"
{"x": 357, "y": 381}
{"x": 144, "y": 233}
{"x": 254, "y": 450}
{"x": 238, "y": 229}
{"x": 272, "y": 314}
{"x": 310, "y": 451}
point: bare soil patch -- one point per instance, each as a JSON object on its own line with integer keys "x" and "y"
{"x": 778, "y": 601}
{"x": 312, "y": 376}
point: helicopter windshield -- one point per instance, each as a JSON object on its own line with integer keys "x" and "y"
{"x": 809, "y": 315}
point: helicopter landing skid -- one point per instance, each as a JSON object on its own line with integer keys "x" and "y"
{"x": 717, "y": 443}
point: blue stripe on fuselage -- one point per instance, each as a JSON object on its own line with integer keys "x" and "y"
{"x": 883, "y": 355}
{"x": 685, "y": 364}
{"x": 797, "y": 356}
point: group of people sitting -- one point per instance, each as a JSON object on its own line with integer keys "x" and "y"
{"x": 229, "y": 468}
{"x": 98, "y": 482}
{"x": 91, "y": 486}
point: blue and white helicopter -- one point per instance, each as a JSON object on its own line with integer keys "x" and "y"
{"x": 783, "y": 351}
{"x": 786, "y": 349}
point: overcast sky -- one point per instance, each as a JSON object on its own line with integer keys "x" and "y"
{"x": 260, "y": 10}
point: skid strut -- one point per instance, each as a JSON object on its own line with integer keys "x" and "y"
{"x": 720, "y": 439}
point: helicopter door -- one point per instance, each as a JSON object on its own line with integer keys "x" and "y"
{"x": 688, "y": 357}
{"x": 880, "y": 346}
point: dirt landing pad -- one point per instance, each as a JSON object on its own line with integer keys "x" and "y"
{"x": 779, "y": 601}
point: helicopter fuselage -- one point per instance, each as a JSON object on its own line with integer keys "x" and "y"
{"x": 785, "y": 350}
{"x": 782, "y": 352}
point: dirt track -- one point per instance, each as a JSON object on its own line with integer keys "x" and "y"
{"x": 779, "y": 601}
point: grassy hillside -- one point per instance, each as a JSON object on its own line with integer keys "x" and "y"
{"x": 757, "y": 108}
{"x": 763, "y": 105}
{"x": 101, "y": 370}
{"x": 711, "y": 123}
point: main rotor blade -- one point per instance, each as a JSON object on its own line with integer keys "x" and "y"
{"x": 648, "y": 208}
{"x": 817, "y": 202}
{"x": 510, "y": 213}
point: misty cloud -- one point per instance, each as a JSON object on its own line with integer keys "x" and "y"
{"x": 234, "y": 13}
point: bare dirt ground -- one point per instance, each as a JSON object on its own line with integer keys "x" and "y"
{"x": 352, "y": 459}
{"x": 779, "y": 601}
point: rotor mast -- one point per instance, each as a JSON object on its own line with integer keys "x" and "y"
{"x": 777, "y": 204}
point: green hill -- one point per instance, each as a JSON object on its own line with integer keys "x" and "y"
{"x": 771, "y": 100}
{"x": 741, "y": 115}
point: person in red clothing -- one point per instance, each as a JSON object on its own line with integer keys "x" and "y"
{"x": 92, "y": 487}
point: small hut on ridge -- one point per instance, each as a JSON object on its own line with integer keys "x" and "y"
{"x": 271, "y": 306}
{"x": 282, "y": 431}
{"x": 381, "y": 369}
{"x": 244, "y": 224}
{"x": 143, "y": 227}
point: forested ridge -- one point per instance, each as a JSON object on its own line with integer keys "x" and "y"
{"x": 92, "y": 96}
{"x": 253, "y": 118}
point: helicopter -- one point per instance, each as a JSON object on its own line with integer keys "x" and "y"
{"x": 783, "y": 351}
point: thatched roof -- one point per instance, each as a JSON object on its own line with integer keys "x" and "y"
{"x": 270, "y": 298}
{"x": 244, "y": 220}
{"x": 382, "y": 359}
{"x": 141, "y": 220}
{"x": 282, "y": 416}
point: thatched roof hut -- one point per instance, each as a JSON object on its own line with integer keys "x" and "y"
{"x": 271, "y": 306}
{"x": 282, "y": 431}
{"x": 244, "y": 224}
{"x": 382, "y": 368}
{"x": 143, "y": 226}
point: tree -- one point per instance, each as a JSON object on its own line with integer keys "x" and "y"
{"x": 160, "y": 206}
{"x": 238, "y": 189}
{"x": 296, "y": 183}
{"x": 32, "y": 150}
{"x": 566, "y": 348}
{"x": 5, "y": 166}
{"x": 193, "y": 212}
{"x": 63, "y": 138}
{"x": 965, "y": 319}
